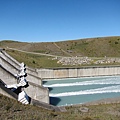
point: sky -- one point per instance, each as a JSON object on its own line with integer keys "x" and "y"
{"x": 58, "y": 20}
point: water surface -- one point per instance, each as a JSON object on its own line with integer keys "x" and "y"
{"x": 81, "y": 90}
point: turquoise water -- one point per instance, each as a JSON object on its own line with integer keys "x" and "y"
{"x": 80, "y": 90}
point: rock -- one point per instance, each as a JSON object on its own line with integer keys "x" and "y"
{"x": 84, "y": 109}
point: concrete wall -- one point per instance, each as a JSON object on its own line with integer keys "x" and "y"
{"x": 34, "y": 75}
{"x": 7, "y": 70}
{"x": 7, "y": 92}
{"x": 6, "y": 76}
{"x": 11, "y": 64}
{"x": 78, "y": 72}
{"x": 35, "y": 91}
{"x": 8, "y": 65}
{"x": 38, "y": 92}
{"x": 8, "y": 58}
{"x": 16, "y": 64}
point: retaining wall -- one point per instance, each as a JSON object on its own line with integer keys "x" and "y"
{"x": 16, "y": 64}
{"x": 38, "y": 92}
{"x": 7, "y": 76}
{"x": 9, "y": 67}
{"x": 78, "y": 72}
{"x": 11, "y": 64}
{"x": 7, "y": 92}
{"x": 34, "y": 91}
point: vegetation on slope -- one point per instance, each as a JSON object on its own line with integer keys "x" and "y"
{"x": 91, "y": 47}
{"x": 34, "y": 61}
{"x": 41, "y": 61}
{"x": 13, "y": 110}
{"x": 96, "y": 48}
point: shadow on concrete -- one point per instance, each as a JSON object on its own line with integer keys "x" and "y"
{"x": 50, "y": 88}
{"x": 43, "y": 82}
{"x": 6, "y": 91}
{"x": 46, "y": 105}
{"x": 54, "y": 100}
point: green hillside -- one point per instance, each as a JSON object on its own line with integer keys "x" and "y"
{"x": 90, "y": 47}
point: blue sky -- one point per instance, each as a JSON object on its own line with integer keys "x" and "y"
{"x": 58, "y": 20}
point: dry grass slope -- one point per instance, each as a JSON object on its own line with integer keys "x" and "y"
{"x": 13, "y": 110}
{"x": 95, "y": 47}
{"x": 91, "y": 47}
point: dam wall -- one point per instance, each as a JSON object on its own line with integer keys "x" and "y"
{"x": 16, "y": 64}
{"x": 9, "y": 67}
{"x": 7, "y": 92}
{"x": 11, "y": 64}
{"x": 36, "y": 75}
{"x": 7, "y": 76}
{"x": 38, "y": 92}
{"x": 78, "y": 72}
{"x": 34, "y": 91}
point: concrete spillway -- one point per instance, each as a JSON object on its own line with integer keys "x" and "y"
{"x": 7, "y": 92}
{"x": 9, "y": 67}
{"x": 37, "y": 93}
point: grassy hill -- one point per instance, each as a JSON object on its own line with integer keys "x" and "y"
{"x": 13, "y": 110}
{"x": 91, "y": 47}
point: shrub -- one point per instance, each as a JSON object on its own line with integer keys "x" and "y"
{"x": 116, "y": 42}
{"x": 33, "y": 62}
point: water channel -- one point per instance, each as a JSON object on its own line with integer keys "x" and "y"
{"x": 71, "y": 91}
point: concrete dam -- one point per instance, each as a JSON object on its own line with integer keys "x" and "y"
{"x": 40, "y": 95}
